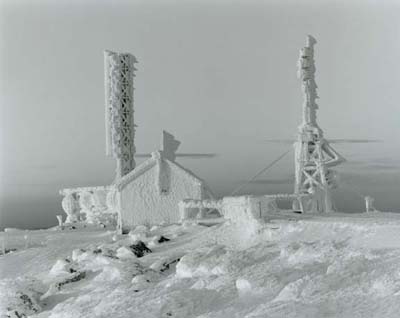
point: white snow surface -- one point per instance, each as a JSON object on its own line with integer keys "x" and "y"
{"x": 337, "y": 265}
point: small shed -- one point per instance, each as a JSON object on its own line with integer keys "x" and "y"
{"x": 151, "y": 192}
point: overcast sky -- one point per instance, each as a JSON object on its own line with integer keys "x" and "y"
{"x": 219, "y": 75}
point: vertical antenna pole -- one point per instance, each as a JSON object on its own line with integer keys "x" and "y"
{"x": 120, "y": 128}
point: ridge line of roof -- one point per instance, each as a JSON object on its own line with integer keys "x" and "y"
{"x": 135, "y": 173}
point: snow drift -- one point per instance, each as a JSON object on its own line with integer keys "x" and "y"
{"x": 289, "y": 266}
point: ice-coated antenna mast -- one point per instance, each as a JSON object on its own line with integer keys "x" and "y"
{"x": 313, "y": 155}
{"x": 120, "y": 128}
{"x": 306, "y": 72}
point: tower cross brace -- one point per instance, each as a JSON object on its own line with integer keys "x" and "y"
{"x": 314, "y": 157}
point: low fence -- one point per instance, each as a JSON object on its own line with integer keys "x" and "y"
{"x": 90, "y": 204}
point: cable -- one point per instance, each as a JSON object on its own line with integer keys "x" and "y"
{"x": 261, "y": 172}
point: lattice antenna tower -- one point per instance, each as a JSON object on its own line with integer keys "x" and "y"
{"x": 120, "y": 128}
{"x": 313, "y": 155}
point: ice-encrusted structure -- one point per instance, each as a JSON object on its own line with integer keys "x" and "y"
{"x": 150, "y": 194}
{"x": 147, "y": 194}
{"x": 369, "y": 204}
{"x": 120, "y": 128}
{"x": 237, "y": 208}
{"x": 314, "y": 157}
{"x": 169, "y": 145}
{"x": 70, "y": 206}
{"x": 90, "y": 204}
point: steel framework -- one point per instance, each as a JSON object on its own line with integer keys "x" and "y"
{"x": 314, "y": 157}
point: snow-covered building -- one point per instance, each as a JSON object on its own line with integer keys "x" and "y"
{"x": 151, "y": 192}
{"x": 145, "y": 194}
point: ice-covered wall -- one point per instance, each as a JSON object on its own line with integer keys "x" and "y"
{"x": 142, "y": 202}
{"x": 247, "y": 207}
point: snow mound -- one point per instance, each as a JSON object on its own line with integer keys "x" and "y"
{"x": 61, "y": 267}
{"x": 243, "y": 286}
{"x": 124, "y": 252}
{"x": 288, "y": 266}
{"x": 204, "y": 262}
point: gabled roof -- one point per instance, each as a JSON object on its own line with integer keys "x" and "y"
{"x": 135, "y": 173}
{"x": 66, "y": 191}
{"x": 187, "y": 171}
{"x": 149, "y": 164}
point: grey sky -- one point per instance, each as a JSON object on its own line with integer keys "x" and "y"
{"x": 219, "y": 75}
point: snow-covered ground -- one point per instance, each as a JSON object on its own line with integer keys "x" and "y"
{"x": 341, "y": 265}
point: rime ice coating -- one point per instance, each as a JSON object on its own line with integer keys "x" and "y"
{"x": 120, "y": 128}
{"x": 306, "y": 72}
{"x": 313, "y": 155}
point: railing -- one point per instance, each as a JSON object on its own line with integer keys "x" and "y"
{"x": 90, "y": 204}
{"x": 191, "y": 208}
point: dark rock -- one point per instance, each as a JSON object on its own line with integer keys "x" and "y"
{"x": 97, "y": 251}
{"x": 163, "y": 239}
{"x": 27, "y": 301}
{"x": 26, "y": 307}
{"x": 140, "y": 249}
{"x": 15, "y": 313}
{"x": 76, "y": 278}
{"x": 8, "y": 250}
{"x": 166, "y": 265}
{"x": 106, "y": 252}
